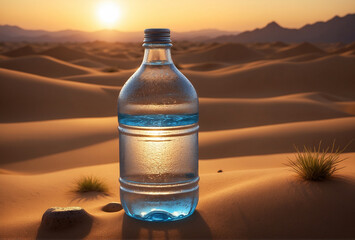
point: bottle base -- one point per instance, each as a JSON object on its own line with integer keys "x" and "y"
{"x": 160, "y": 216}
{"x": 172, "y": 203}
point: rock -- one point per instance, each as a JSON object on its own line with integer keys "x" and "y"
{"x": 219, "y": 171}
{"x": 57, "y": 218}
{"x": 112, "y": 207}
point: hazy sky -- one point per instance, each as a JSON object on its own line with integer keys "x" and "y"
{"x": 179, "y": 15}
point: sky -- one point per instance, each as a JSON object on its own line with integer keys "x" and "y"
{"x": 179, "y": 15}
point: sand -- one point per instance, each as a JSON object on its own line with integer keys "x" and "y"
{"x": 70, "y": 54}
{"x": 44, "y": 66}
{"x": 299, "y": 49}
{"x": 27, "y": 97}
{"x": 58, "y": 122}
{"x": 88, "y": 63}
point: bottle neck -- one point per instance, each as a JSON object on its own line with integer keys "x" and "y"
{"x": 157, "y": 53}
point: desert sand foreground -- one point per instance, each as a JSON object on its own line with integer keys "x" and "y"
{"x": 58, "y": 122}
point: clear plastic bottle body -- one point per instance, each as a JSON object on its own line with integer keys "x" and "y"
{"x": 158, "y": 134}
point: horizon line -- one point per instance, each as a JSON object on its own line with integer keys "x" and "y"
{"x": 203, "y": 29}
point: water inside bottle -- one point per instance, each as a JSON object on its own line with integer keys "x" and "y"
{"x": 159, "y": 168}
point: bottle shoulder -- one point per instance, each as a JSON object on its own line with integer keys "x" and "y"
{"x": 151, "y": 81}
{"x": 160, "y": 85}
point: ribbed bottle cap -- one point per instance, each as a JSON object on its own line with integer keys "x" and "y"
{"x": 157, "y": 35}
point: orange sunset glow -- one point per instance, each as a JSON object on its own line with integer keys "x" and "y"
{"x": 184, "y": 15}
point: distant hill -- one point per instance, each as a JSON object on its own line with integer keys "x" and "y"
{"x": 337, "y": 29}
{"x": 17, "y": 34}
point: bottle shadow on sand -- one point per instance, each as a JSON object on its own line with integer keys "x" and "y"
{"x": 191, "y": 227}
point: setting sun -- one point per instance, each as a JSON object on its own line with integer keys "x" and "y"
{"x": 108, "y": 13}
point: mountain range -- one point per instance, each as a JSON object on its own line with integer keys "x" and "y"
{"x": 337, "y": 29}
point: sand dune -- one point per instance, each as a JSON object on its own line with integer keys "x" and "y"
{"x": 349, "y": 53}
{"x": 208, "y": 66}
{"x": 267, "y": 49}
{"x": 53, "y": 137}
{"x": 88, "y": 63}
{"x": 58, "y": 122}
{"x": 228, "y": 52}
{"x": 111, "y": 79}
{"x": 94, "y": 101}
{"x": 95, "y": 153}
{"x": 26, "y": 97}
{"x": 237, "y": 113}
{"x": 97, "y": 100}
{"x": 44, "y": 66}
{"x": 256, "y": 200}
{"x": 348, "y": 48}
{"x": 299, "y": 49}
{"x": 22, "y": 51}
{"x": 304, "y": 57}
{"x": 347, "y": 107}
{"x": 58, "y": 142}
{"x": 271, "y": 196}
{"x": 218, "y": 114}
{"x": 333, "y": 75}
{"x": 276, "y": 138}
{"x": 65, "y": 53}
{"x": 278, "y": 44}
{"x": 68, "y": 54}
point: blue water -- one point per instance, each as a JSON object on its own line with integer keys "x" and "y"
{"x": 159, "y": 166}
{"x": 156, "y": 202}
{"x": 158, "y": 120}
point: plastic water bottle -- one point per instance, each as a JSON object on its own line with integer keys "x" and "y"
{"x": 158, "y": 135}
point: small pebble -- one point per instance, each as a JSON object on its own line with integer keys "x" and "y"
{"x": 57, "y": 218}
{"x": 219, "y": 171}
{"x": 112, "y": 207}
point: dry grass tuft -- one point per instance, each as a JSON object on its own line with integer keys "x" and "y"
{"x": 90, "y": 184}
{"x": 317, "y": 164}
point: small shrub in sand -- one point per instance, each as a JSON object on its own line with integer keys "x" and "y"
{"x": 317, "y": 164}
{"x": 90, "y": 184}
